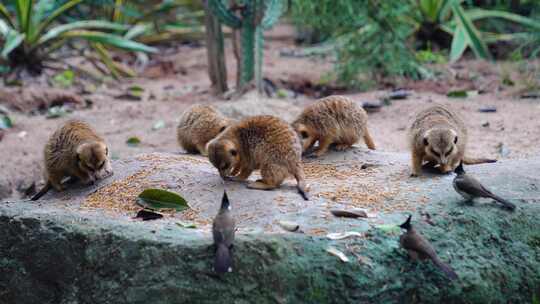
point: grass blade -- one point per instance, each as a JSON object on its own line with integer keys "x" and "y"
{"x": 89, "y": 24}
{"x": 4, "y": 13}
{"x": 471, "y": 33}
{"x": 110, "y": 39}
{"x": 476, "y": 14}
{"x": 106, "y": 59}
{"x": 68, "y": 5}
{"x": 13, "y": 40}
{"x": 459, "y": 44}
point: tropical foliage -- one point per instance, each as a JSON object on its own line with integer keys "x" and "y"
{"x": 30, "y": 35}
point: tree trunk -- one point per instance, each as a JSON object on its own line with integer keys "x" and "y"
{"x": 217, "y": 70}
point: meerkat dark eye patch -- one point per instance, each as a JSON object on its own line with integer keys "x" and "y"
{"x": 107, "y": 151}
{"x": 426, "y": 143}
{"x": 101, "y": 165}
{"x": 455, "y": 140}
{"x": 222, "y": 129}
{"x": 304, "y": 134}
{"x": 233, "y": 152}
{"x": 449, "y": 151}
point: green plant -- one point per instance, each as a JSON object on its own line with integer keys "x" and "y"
{"x": 255, "y": 16}
{"x": 460, "y": 24}
{"x": 368, "y": 36}
{"x": 30, "y": 36}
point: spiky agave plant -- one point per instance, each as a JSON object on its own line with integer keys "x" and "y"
{"x": 30, "y": 35}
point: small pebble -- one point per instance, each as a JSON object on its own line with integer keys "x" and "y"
{"x": 399, "y": 94}
{"x": 488, "y": 109}
{"x": 372, "y": 106}
{"x": 485, "y": 124}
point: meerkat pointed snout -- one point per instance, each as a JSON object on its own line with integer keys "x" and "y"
{"x": 74, "y": 150}
{"x": 438, "y": 136}
{"x": 419, "y": 248}
{"x": 260, "y": 142}
{"x": 470, "y": 188}
{"x": 198, "y": 125}
{"x": 334, "y": 120}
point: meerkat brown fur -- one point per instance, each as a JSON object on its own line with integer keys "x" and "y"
{"x": 74, "y": 150}
{"x": 198, "y": 125}
{"x": 332, "y": 120}
{"x": 259, "y": 142}
{"x": 439, "y": 136}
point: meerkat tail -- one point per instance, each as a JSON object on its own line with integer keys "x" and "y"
{"x": 301, "y": 184}
{"x": 474, "y": 161}
{"x": 42, "y": 192}
{"x": 369, "y": 140}
{"x": 506, "y": 203}
{"x": 445, "y": 268}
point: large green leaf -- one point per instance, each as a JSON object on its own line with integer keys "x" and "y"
{"x": 78, "y": 25}
{"x": 430, "y": 8}
{"x": 110, "y": 39}
{"x": 4, "y": 13}
{"x": 474, "y": 40}
{"x": 161, "y": 199}
{"x": 24, "y": 9}
{"x": 12, "y": 40}
{"x": 59, "y": 11}
{"x": 459, "y": 44}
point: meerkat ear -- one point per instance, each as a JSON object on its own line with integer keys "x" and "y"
{"x": 80, "y": 150}
{"x": 426, "y": 143}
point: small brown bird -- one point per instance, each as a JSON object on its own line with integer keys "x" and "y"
{"x": 419, "y": 248}
{"x": 470, "y": 188}
{"x": 223, "y": 230}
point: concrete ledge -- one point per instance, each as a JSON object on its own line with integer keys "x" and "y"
{"x": 60, "y": 251}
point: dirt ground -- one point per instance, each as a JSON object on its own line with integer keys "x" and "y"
{"x": 177, "y": 78}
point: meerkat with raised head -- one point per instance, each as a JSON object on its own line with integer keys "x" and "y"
{"x": 438, "y": 136}
{"x": 74, "y": 150}
{"x": 260, "y": 142}
{"x": 198, "y": 125}
{"x": 334, "y": 120}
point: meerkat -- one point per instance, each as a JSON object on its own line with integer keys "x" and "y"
{"x": 74, "y": 150}
{"x": 198, "y": 125}
{"x": 439, "y": 136}
{"x": 334, "y": 120}
{"x": 260, "y": 142}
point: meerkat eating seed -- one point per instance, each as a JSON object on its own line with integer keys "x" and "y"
{"x": 333, "y": 120}
{"x": 74, "y": 150}
{"x": 259, "y": 142}
{"x": 439, "y": 136}
{"x": 198, "y": 125}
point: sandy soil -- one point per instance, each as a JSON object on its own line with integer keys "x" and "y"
{"x": 178, "y": 79}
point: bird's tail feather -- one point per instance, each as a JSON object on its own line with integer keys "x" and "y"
{"x": 506, "y": 203}
{"x": 445, "y": 268}
{"x": 223, "y": 260}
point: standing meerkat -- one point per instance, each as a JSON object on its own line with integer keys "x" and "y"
{"x": 74, "y": 150}
{"x": 332, "y": 120}
{"x": 439, "y": 136}
{"x": 259, "y": 142}
{"x": 198, "y": 125}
